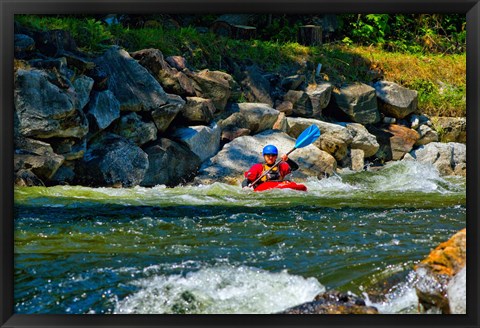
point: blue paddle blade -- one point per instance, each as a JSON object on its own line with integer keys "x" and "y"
{"x": 308, "y": 136}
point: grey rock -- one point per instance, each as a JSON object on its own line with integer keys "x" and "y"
{"x": 44, "y": 110}
{"x": 395, "y": 100}
{"x": 236, "y": 157}
{"x": 293, "y": 82}
{"x": 111, "y": 160}
{"x": 362, "y": 139}
{"x": 170, "y": 164}
{"x": 69, "y": 148}
{"x": 214, "y": 85}
{"x": 164, "y": 116}
{"x": 256, "y": 87}
{"x": 83, "y": 86}
{"x": 171, "y": 79}
{"x": 131, "y": 83}
{"x": 312, "y": 101}
{"x": 445, "y": 157}
{"x": 102, "y": 109}
{"x": 37, "y": 157}
{"x": 198, "y": 111}
{"x": 359, "y": 102}
{"x": 132, "y": 127}
{"x": 427, "y": 135}
{"x": 204, "y": 141}
{"x": 257, "y": 117}
{"x": 338, "y": 131}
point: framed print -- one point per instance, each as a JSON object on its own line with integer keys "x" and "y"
{"x": 184, "y": 163}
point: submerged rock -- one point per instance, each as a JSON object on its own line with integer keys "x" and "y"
{"x": 333, "y": 302}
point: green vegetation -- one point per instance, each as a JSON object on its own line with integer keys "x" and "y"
{"x": 422, "y": 52}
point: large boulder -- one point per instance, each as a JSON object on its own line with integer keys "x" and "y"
{"x": 136, "y": 129}
{"x": 202, "y": 140}
{"x": 164, "y": 116}
{"x": 102, "y": 110}
{"x": 449, "y": 158}
{"x": 256, "y": 87}
{"x": 362, "y": 139}
{"x": 239, "y": 155}
{"x": 44, "y": 110}
{"x": 170, "y": 164}
{"x": 359, "y": 102}
{"x": 37, "y": 157}
{"x": 170, "y": 78}
{"x": 435, "y": 272}
{"x": 395, "y": 100}
{"x": 111, "y": 160}
{"x": 214, "y": 85}
{"x": 450, "y": 129}
{"x": 131, "y": 83}
{"x": 312, "y": 101}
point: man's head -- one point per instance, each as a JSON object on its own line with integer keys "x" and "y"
{"x": 270, "y": 153}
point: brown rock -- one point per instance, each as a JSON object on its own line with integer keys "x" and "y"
{"x": 402, "y": 140}
{"x": 449, "y": 257}
{"x": 437, "y": 269}
{"x": 285, "y": 107}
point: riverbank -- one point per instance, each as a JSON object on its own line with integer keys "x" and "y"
{"x": 125, "y": 119}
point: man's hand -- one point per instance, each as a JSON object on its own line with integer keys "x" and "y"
{"x": 284, "y": 157}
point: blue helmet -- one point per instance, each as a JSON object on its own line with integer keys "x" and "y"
{"x": 270, "y": 150}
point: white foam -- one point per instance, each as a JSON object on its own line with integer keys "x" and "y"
{"x": 401, "y": 298}
{"x": 457, "y": 292}
{"x": 220, "y": 290}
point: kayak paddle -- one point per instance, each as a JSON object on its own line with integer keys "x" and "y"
{"x": 308, "y": 136}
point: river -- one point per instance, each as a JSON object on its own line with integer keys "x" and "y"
{"x": 221, "y": 249}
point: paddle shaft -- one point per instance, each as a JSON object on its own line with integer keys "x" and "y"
{"x": 268, "y": 171}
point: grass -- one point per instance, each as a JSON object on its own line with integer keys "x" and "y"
{"x": 439, "y": 79}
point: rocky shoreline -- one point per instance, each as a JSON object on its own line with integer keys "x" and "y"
{"x": 125, "y": 119}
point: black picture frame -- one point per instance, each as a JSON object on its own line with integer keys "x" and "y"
{"x": 11, "y": 7}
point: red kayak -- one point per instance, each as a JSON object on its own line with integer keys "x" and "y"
{"x": 280, "y": 185}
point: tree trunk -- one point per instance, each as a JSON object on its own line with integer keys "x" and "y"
{"x": 310, "y": 35}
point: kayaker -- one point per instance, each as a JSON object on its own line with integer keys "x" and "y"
{"x": 278, "y": 173}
